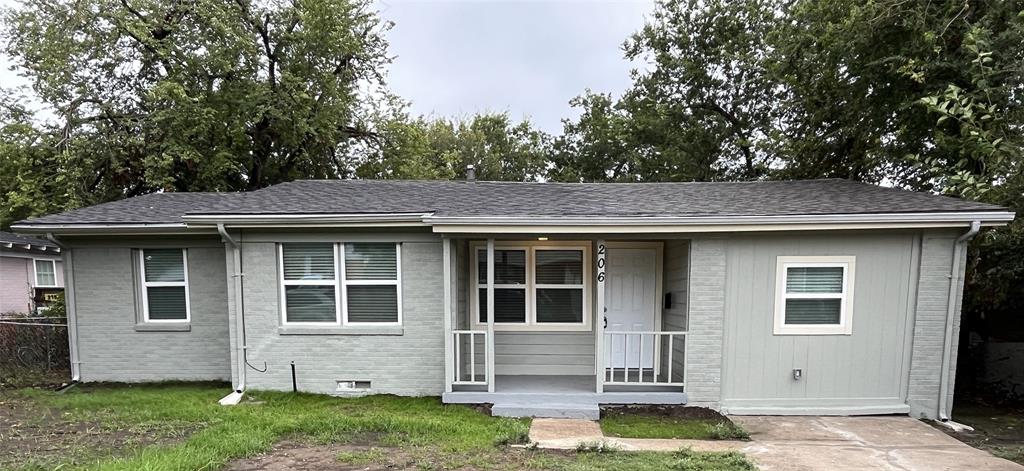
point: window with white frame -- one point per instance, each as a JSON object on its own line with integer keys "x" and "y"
{"x": 341, "y": 284}
{"x": 814, "y": 295}
{"x": 164, "y": 275}
{"x": 539, "y": 287}
{"x": 46, "y": 274}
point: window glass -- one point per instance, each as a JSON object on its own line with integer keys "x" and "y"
{"x": 559, "y": 305}
{"x": 310, "y": 303}
{"x": 813, "y": 311}
{"x": 814, "y": 280}
{"x": 509, "y": 305}
{"x": 373, "y": 303}
{"x": 509, "y": 267}
{"x": 559, "y": 267}
{"x": 308, "y": 261}
{"x": 45, "y": 275}
{"x": 166, "y": 302}
{"x": 371, "y": 261}
{"x": 164, "y": 265}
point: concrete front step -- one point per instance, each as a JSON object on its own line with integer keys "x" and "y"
{"x": 549, "y": 410}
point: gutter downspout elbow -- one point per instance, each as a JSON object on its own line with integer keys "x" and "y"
{"x": 955, "y": 280}
{"x": 236, "y": 279}
{"x": 72, "y": 316}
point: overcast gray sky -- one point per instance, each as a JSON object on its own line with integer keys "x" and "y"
{"x": 454, "y": 58}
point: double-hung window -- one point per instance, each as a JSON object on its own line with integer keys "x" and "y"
{"x": 164, "y": 275}
{"x": 814, "y": 295}
{"x": 340, "y": 284}
{"x": 536, "y": 286}
{"x": 46, "y": 274}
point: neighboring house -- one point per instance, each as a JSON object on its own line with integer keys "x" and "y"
{"x": 31, "y": 271}
{"x": 804, "y": 297}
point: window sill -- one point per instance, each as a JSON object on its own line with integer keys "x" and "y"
{"x": 161, "y": 327}
{"x": 347, "y": 330}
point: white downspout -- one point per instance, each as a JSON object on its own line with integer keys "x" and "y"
{"x": 955, "y": 279}
{"x": 239, "y": 310}
{"x": 69, "y": 307}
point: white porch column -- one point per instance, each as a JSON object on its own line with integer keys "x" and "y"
{"x": 599, "y": 313}
{"x": 490, "y": 315}
{"x": 449, "y": 356}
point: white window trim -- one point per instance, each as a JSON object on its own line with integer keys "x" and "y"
{"x": 531, "y": 286}
{"x": 283, "y": 283}
{"x": 153, "y": 284}
{"x": 35, "y": 273}
{"x": 345, "y": 283}
{"x": 845, "y": 326}
{"x": 340, "y": 282}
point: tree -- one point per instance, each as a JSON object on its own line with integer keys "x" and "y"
{"x": 196, "y": 95}
{"x": 441, "y": 148}
{"x": 701, "y": 110}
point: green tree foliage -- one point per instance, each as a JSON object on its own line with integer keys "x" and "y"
{"x": 441, "y": 148}
{"x": 193, "y": 95}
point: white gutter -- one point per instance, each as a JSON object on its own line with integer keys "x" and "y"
{"x": 879, "y": 218}
{"x": 239, "y": 312}
{"x": 69, "y": 308}
{"x": 955, "y": 280}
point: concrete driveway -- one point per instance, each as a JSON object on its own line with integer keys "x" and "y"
{"x": 859, "y": 443}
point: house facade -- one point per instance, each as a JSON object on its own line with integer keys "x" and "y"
{"x": 31, "y": 272}
{"x": 810, "y": 297}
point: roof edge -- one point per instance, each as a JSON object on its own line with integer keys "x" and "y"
{"x": 986, "y": 217}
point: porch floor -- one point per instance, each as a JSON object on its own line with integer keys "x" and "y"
{"x": 571, "y": 396}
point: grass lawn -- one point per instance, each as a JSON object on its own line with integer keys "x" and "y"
{"x": 648, "y": 424}
{"x": 180, "y": 426}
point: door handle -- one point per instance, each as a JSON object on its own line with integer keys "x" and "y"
{"x": 605, "y": 322}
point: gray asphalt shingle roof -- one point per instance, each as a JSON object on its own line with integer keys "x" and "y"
{"x": 461, "y": 198}
{"x": 11, "y": 238}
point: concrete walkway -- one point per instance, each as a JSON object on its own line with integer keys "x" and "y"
{"x": 803, "y": 443}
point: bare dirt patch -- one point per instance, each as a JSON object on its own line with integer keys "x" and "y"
{"x": 33, "y": 435}
{"x": 291, "y": 455}
{"x": 678, "y": 412}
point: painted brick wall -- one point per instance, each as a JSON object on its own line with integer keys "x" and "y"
{"x": 409, "y": 364}
{"x": 110, "y": 347}
{"x": 930, "y": 324}
{"x": 706, "y": 322}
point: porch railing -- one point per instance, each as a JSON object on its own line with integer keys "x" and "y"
{"x": 466, "y": 357}
{"x": 643, "y": 358}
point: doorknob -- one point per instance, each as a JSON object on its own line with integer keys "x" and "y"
{"x": 605, "y": 322}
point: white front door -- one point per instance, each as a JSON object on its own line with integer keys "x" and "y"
{"x": 631, "y": 300}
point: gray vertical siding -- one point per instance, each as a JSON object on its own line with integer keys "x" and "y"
{"x": 410, "y": 364}
{"x": 706, "y": 322}
{"x": 676, "y": 281}
{"x": 111, "y": 348}
{"x": 859, "y": 373}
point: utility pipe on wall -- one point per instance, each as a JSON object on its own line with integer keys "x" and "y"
{"x": 955, "y": 280}
{"x": 236, "y": 278}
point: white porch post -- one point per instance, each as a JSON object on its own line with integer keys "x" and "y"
{"x": 599, "y": 313}
{"x": 490, "y": 315}
{"x": 446, "y": 269}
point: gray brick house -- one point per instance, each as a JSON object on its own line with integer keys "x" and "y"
{"x": 545, "y": 299}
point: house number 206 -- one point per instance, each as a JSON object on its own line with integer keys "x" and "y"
{"x": 600, "y": 262}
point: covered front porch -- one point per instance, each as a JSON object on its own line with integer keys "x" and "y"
{"x": 555, "y": 327}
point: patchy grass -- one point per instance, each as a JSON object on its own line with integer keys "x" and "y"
{"x": 669, "y": 423}
{"x": 998, "y": 430}
{"x": 180, "y": 426}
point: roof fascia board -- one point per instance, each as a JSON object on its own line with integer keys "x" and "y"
{"x": 677, "y": 229}
{"x": 306, "y": 220}
{"x": 111, "y": 229}
{"x": 989, "y": 217}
